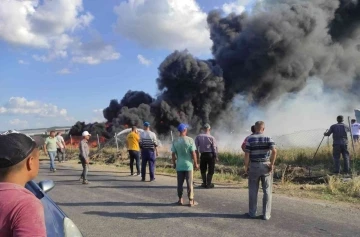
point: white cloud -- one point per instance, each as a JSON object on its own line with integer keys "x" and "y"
{"x": 64, "y": 71}
{"x": 237, "y": 7}
{"x": 143, "y": 60}
{"x": 164, "y": 24}
{"x": 94, "y": 52}
{"x": 22, "y": 106}
{"x": 42, "y": 24}
{"x": 19, "y": 123}
{"x": 22, "y": 62}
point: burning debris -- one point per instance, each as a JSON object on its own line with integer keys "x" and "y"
{"x": 262, "y": 55}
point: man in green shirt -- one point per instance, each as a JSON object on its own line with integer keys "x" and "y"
{"x": 50, "y": 149}
{"x": 184, "y": 159}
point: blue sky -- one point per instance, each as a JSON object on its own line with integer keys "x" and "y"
{"x": 62, "y": 61}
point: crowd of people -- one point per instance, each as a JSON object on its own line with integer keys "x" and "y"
{"x": 190, "y": 154}
{"x": 22, "y": 214}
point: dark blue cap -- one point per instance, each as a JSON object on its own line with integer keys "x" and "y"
{"x": 182, "y": 127}
{"x": 146, "y": 124}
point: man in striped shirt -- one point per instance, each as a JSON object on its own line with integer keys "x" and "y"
{"x": 149, "y": 152}
{"x": 261, "y": 162}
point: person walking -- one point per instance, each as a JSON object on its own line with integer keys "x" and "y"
{"x": 50, "y": 149}
{"x": 149, "y": 152}
{"x": 84, "y": 156}
{"x": 60, "y": 147}
{"x": 207, "y": 151}
{"x": 132, "y": 143}
{"x": 340, "y": 144}
{"x": 243, "y": 145}
{"x": 260, "y": 156}
{"x": 355, "y": 130}
{"x": 184, "y": 160}
{"x": 21, "y": 213}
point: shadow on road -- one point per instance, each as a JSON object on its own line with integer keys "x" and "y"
{"x": 135, "y": 187}
{"x": 123, "y": 204}
{"x": 147, "y": 216}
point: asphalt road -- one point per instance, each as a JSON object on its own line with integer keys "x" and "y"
{"x": 116, "y": 204}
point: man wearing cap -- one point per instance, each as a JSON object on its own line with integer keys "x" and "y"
{"x": 184, "y": 159}
{"x": 259, "y": 164}
{"x": 132, "y": 143}
{"x": 50, "y": 149}
{"x": 148, "y": 145}
{"x": 21, "y": 213}
{"x": 340, "y": 142}
{"x": 207, "y": 148}
{"x": 84, "y": 156}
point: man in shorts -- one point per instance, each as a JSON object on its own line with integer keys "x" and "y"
{"x": 21, "y": 213}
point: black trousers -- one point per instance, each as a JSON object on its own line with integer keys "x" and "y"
{"x": 134, "y": 156}
{"x": 207, "y": 163}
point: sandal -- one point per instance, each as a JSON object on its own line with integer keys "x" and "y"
{"x": 180, "y": 202}
{"x": 193, "y": 203}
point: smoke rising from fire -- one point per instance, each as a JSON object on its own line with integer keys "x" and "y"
{"x": 261, "y": 60}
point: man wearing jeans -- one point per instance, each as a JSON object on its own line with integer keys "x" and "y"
{"x": 50, "y": 149}
{"x": 259, "y": 165}
{"x": 132, "y": 142}
{"x": 340, "y": 142}
{"x": 149, "y": 152}
{"x": 84, "y": 156}
{"x": 184, "y": 159}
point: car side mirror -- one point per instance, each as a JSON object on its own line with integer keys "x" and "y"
{"x": 47, "y": 185}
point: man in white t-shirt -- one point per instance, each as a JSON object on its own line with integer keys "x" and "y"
{"x": 60, "y": 147}
{"x": 355, "y": 130}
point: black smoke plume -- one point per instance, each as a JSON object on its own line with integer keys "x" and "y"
{"x": 261, "y": 55}
{"x": 132, "y": 99}
{"x": 93, "y": 128}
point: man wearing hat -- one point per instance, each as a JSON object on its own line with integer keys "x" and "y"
{"x": 148, "y": 145}
{"x": 207, "y": 148}
{"x": 84, "y": 156}
{"x": 21, "y": 213}
{"x": 184, "y": 159}
{"x": 340, "y": 142}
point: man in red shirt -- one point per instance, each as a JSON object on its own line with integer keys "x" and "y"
{"x": 21, "y": 213}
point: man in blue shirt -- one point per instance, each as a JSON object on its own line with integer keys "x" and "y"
{"x": 259, "y": 164}
{"x": 340, "y": 142}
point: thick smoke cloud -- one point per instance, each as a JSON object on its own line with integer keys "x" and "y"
{"x": 93, "y": 128}
{"x": 275, "y": 51}
{"x": 192, "y": 91}
{"x": 131, "y": 99}
{"x": 262, "y": 56}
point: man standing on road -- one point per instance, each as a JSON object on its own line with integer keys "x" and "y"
{"x": 132, "y": 142}
{"x": 261, "y": 163}
{"x": 355, "y": 130}
{"x": 84, "y": 156}
{"x": 340, "y": 142}
{"x": 184, "y": 159}
{"x": 206, "y": 146}
{"x": 60, "y": 146}
{"x": 50, "y": 149}
{"x": 21, "y": 213}
{"x": 243, "y": 145}
{"x": 149, "y": 152}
